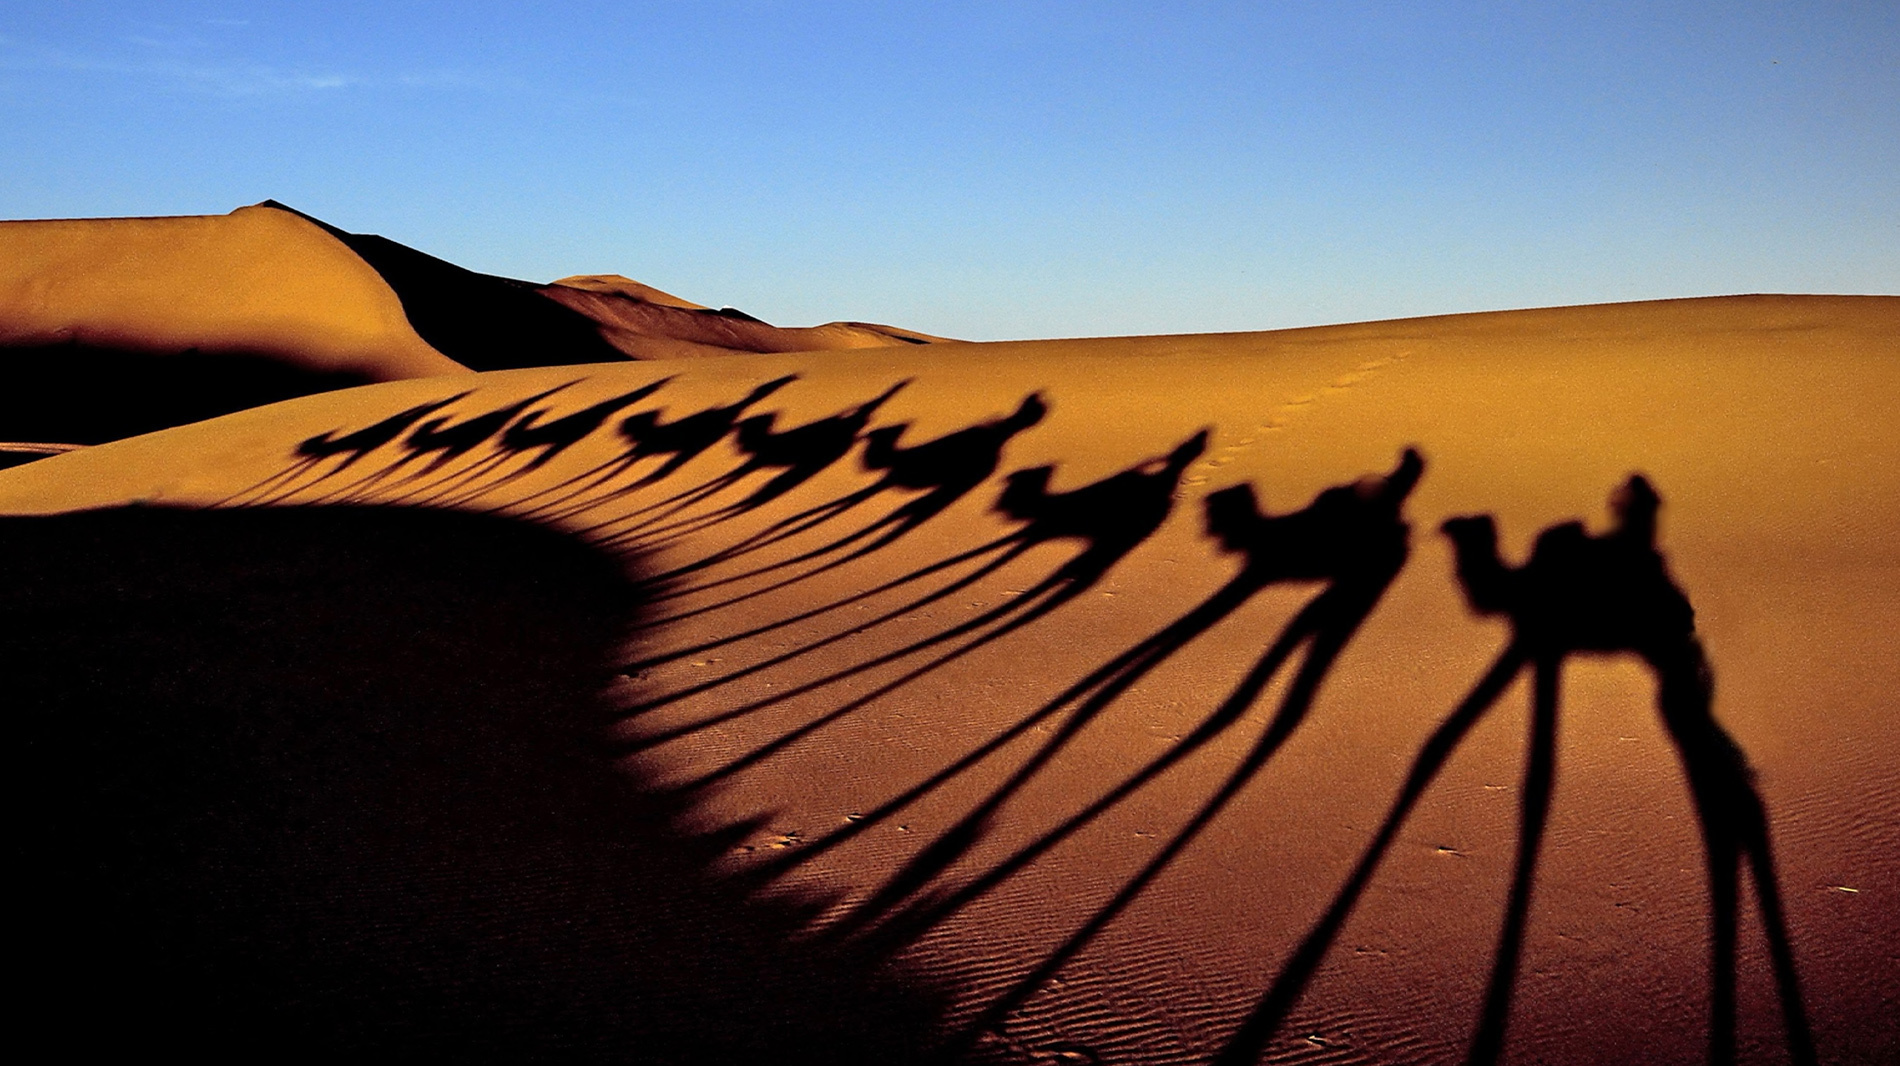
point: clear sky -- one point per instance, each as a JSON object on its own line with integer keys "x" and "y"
{"x": 1018, "y": 169}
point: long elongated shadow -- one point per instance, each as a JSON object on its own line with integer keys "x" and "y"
{"x": 1734, "y": 826}
{"x": 681, "y": 441}
{"x": 1247, "y": 1043}
{"x": 1123, "y": 662}
{"x": 453, "y": 442}
{"x": 1351, "y": 535}
{"x": 1111, "y": 517}
{"x": 798, "y": 454}
{"x": 785, "y": 740}
{"x": 1342, "y": 524}
{"x": 835, "y": 431}
{"x": 352, "y": 447}
{"x": 944, "y": 470}
{"x": 445, "y": 438}
{"x": 531, "y": 434}
{"x": 1602, "y": 594}
{"x": 1540, "y": 772}
{"x": 1328, "y": 633}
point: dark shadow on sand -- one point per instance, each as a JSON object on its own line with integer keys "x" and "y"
{"x": 1581, "y": 594}
{"x": 326, "y": 783}
{"x": 90, "y": 394}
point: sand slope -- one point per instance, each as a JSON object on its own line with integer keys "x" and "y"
{"x": 1007, "y": 708}
{"x": 257, "y": 280}
{"x": 162, "y": 321}
{"x": 111, "y": 327}
{"x": 648, "y": 324}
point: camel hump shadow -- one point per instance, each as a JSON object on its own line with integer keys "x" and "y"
{"x": 823, "y": 440}
{"x": 369, "y": 438}
{"x": 967, "y": 455}
{"x": 1130, "y": 503}
{"x": 1352, "y": 528}
{"x": 698, "y": 430}
{"x": 1579, "y": 592}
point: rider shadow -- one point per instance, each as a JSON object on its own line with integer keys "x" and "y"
{"x": 1111, "y": 517}
{"x": 446, "y": 438}
{"x": 1353, "y": 537}
{"x": 1355, "y": 540}
{"x": 353, "y": 447}
{"x": 529, "y": 433}
{"x": 944, "y": 470}
{"x": 681, "y": 440}
{"x": 798, "y": 454}
{"x": 1581, "y": 594}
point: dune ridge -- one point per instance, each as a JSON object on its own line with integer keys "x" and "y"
{"x": 648, "y": 324}
{"x": 114, "y": 327}
{"x": 256, "y": 281}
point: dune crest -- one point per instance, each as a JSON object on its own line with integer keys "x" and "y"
{"x": 645, "y": 323}
{"x": 120, "y": 326}
{"x": 256, "y": 282}
{"x": 626, "y": 286}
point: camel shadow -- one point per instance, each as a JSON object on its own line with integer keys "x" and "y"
{"x": 1581, "y": 594}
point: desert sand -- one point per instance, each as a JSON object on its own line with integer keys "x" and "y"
{"x": 645, "y": 323}
{"x": 258, "y": 280}
{"x": 158, "y": 322}
{"x": 1127, "y": 722}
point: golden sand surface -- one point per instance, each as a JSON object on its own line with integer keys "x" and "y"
{"x": 257, "y": 281}
{"x": 1031, "y": 737}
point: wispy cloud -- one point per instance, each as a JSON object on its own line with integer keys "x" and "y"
{"x": 172, "y": 63}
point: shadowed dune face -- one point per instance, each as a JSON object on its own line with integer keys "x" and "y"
{"x": 88, "y": 394}
{"x": 115, "y": 327}
{"x": 482, "y": 321}
{"x": 330, "y": 781}
{"x": 648, "y": 326}
{"x": 1133, "y": 684}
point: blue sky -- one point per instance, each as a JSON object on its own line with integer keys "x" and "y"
{"x": 1006, "y": 170}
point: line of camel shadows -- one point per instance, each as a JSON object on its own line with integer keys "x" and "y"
{"x": 1576, "y": 594}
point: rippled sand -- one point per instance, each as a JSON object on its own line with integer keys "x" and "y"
{"x": 913, "y": 724}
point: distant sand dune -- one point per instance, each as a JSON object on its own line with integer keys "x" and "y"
{"x": 114, "y": 327}
{"x": 648, "y": 324}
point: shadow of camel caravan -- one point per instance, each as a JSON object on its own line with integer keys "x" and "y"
{"x": 1580, "y": 594}
{"x": 1576, "y": 594}
{"x": 1130, "y": 734}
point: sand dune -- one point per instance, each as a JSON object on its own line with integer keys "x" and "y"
{"x": 114, "y": 327}
{"x": 162, "y": 321}
{"x": 648, "y": 324}
{"x": 256, "y": 280}
{"x": 488, "y": 322}
{"x": 1079, "y": 700}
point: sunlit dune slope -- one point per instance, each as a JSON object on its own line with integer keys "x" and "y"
{"x": 494, "y": 323}
{"x": 114, "y": 327}
{"x": 117, "y": 326}
{"x": 1121, "y": 697}
{"x": 255, "y": 281}
{"x": 648, "y": 324}
{"x": 480, "y": 320}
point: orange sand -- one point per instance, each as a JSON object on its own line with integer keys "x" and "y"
{"x": 257, "y": 281}
{"x": 1767, "y": 423}
{"x": 646, "y": 323}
